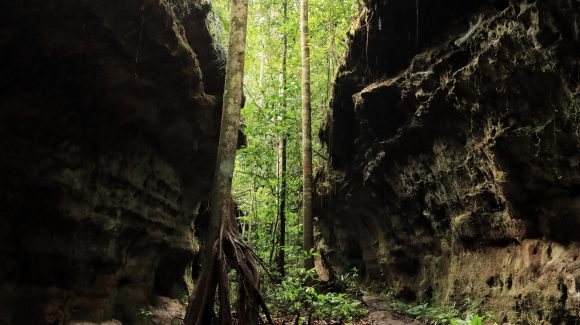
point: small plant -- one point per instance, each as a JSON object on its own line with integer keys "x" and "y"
{"x": 300, "y": 292}
{"x": 347, "y": 281}
{"x": 337, "y": 306}
{"x": 470, "y": 319}
{"x": 145, "y": 314}
{"x": 437, "y": 315}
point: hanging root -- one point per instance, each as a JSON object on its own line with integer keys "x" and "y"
{"x": 228, "y": 253}
{"x": 224, "y": 294}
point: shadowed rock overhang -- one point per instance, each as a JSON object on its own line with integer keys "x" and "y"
{"x": 455, "y": 155}
{"x": 109, "y": 117}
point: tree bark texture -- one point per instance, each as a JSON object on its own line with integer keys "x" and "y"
{"x": 214, "y": 264}
{"x": 307, "y": 205}
{"x": 280, "y": 260}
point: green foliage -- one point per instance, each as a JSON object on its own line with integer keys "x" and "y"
{"x": 256, "y": 181}
{"x": 298, "y": 293}
{"x": 337, "y": 306}
{"x": 347, "y": 281}
{"x": 472, "y": 319}
{"x": 437, "y": 315}
{"x": 265, "y": 120}
{"x": 145, "y": 315}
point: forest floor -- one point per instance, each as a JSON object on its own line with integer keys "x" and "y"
{"x": 379, "y": 314}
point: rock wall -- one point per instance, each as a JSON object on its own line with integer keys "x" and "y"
{"x": 454, "y": 138}
{"x": 109, "y": 115}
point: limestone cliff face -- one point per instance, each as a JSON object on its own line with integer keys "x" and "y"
{"x": 108, "y": 129}
{"x": 455, "y": 143}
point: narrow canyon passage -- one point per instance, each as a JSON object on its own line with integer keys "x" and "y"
{"x": 445, "y": 154}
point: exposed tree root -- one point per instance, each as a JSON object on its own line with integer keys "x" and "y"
{"x": 228, "y": 253}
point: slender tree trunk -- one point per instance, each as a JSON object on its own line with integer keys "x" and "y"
{"x": 280, "y": 259}
{"x": 253, "y": 213}
{"x": 230, "y": 123}
{"x": 306, "y": 137}
{"x": 214, "y": 263}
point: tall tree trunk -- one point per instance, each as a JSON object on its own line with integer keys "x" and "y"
{"x": 230, "y": 123}
{"x": 280, "y": 260}
{"x": 253, "y": 213}
{"x": 214, "y": 272}
{"x": 307, "y": 205}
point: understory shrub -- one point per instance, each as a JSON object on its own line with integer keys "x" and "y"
{"x": 300, "y": 293}
{"x": 438, "y": 315}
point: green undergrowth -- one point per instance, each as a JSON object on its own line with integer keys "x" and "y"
{"x": 302, "y": 293}
{"x": 466, "y": 314}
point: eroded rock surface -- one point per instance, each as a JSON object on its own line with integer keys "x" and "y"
{"x": 455, "y": 146}
{"x": 108, "y": 122}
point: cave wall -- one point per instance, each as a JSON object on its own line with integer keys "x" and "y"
{"x": 109, "y": 115}
{"x": 455, "y": 155}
